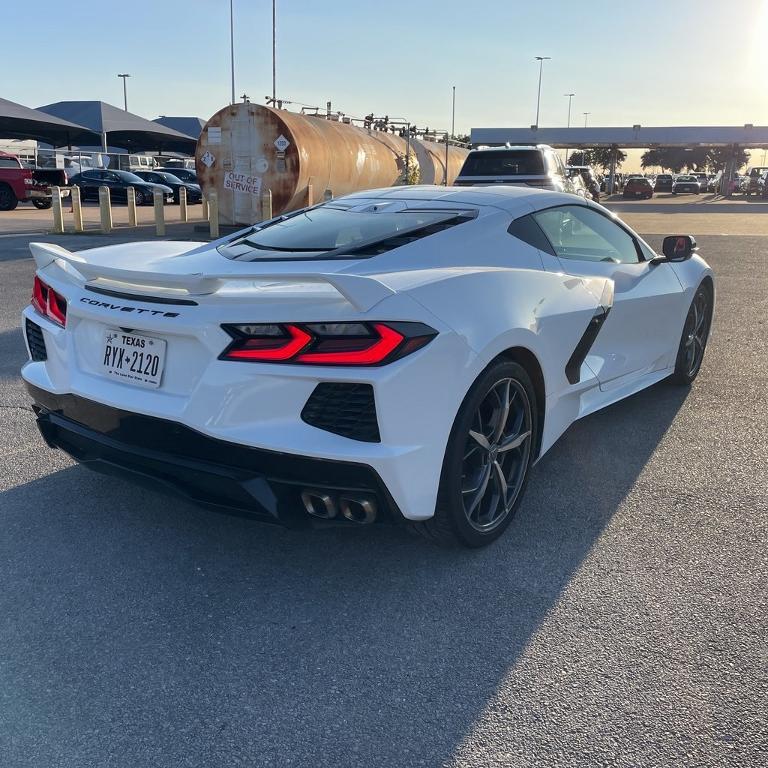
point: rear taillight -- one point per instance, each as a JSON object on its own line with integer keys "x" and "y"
{"x": 326, "y": 343}
{"x": 49, "y": 303}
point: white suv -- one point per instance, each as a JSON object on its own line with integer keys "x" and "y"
{"x": 536, "y": 165}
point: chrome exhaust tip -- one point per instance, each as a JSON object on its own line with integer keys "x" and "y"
{"x": 358, "y": 509}
{"x": 319, "y": 504}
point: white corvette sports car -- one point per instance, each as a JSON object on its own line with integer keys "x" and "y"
{"x": 402, "y": 354}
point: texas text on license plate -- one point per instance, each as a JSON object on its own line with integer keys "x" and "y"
{"x": 132, "y": 358}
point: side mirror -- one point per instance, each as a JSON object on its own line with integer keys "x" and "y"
{"x": 678, "y": 247}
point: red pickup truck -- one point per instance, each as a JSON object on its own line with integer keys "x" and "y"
{"x": 20, "y": 185}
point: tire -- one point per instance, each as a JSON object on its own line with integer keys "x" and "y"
{"x": 8, "y": 199}
{"x": 476, "y": 516}
{"x": 42, "y": 205}
{"x": 693, "y": 342}
{"x": 140, "y": 197}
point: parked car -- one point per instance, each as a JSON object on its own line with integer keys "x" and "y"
{"x": 638, "y": 186}
{"x": 587, "y": 175}
{"x": 454, "y": 340}
{"x": 534, "y": 165}
{"x": 118, "y": 182}
{"x": 579, "y": 187}
{"x": 686, "y": 183}
{"x": 20, "y": 184}
{"x": 703, "y": 180}
{"x": 194, "y": 195}
{"x": 664, "y": 182}
{"x": 185, "y": 174}
{"x": 752, "y": 186}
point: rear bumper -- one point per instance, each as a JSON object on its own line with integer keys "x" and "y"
{"x": 252, "y": 482}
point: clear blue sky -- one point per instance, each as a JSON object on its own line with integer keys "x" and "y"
{"x": 655, "y": 62}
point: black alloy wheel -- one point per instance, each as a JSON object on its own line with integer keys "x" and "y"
{"x": 693, "y": 343}
{"x": 139, "y": 197}
{"x": 489, "y": 453}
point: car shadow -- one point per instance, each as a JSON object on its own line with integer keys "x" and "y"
{"x": 134, "y": 617}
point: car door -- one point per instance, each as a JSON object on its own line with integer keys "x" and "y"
{"x": 640, "y": 334}
{"x": 117, "y": 186}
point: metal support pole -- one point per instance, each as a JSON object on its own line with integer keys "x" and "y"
{"x": 407, "y": 154}
{"x": 266, "y": 205}
{"x": 58, "y": 211}
{"x": 570, "y": 99}
{"x": 159, "y": 202}
{"x": 232, "y": 46}
{"x": 541, "y": 60}
{"x": 310, "y": 195}
{"x": 105, "y": 210}
{"x": 274, "y": 79}
{"x": 612, "y": 172}
{"x": 204, "y": 208}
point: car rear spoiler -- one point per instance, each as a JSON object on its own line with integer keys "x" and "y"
{"x": 360, "y": 291}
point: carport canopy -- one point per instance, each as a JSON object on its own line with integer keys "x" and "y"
{"x": 189, "y": 126}
{"x": 634, "y": 137}
{"x": 20, "y": 122}
{"x": 120, "y": 128}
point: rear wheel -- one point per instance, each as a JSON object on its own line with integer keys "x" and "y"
{"x": 489, "y": 453}
{"x": 8, "y": 199}
{"x": 140, "y": 197}
{"x": 693, "y": 343}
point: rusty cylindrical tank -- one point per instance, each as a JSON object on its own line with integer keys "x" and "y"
{"x": 247, "y": 149}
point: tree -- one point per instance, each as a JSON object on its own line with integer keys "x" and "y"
{"x": 691, "y": 158}
{"x": 580, "y": 157}
{"x": 599, "y": 157}
{"x": 602, "y": 157}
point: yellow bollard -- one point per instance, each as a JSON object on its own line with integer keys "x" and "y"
{"x": 58, "y": 212}
{"x": 159, "y": 201}
{"x": 204, "y": 208}
{"x": 213, "y": 214}
{"x": 131, "y": 196}
{"x": 328, "y": 195}
{"x": 105, "y": 210}
{"x": 183, "y": 204}
{"x": 77, "y": 209}
{"x": 266, "y": 205}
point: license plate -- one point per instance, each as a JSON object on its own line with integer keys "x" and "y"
{"x": 133, "y": 359}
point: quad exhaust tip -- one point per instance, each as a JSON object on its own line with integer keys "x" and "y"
{"x": 319, "y": 504}
{"x": 357, "y": 508}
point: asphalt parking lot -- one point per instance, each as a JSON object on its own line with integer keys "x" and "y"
{"x": 621, "y": 621}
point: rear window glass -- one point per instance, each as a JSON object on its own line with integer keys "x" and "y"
{"x": 341, "y": 231}
{"x": 512, "y": 162}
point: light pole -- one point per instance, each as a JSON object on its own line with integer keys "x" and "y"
{"x": 232, "y": 47}
{"x": 125, "y": 91}
{"x": 541, "y": 60}
{"x": 453, "y": 124}
{"x": 570, "y": 99}
{"x": 586, "y": 115}
{"x": 274, "y": 88}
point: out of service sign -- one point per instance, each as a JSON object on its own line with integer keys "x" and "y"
{"x": 242, "y": 182}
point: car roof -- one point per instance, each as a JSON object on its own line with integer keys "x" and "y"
{"x": 506, "y": 147}
{"x": 516, "y": 199}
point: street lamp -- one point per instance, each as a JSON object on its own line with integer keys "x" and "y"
{"x": 541, "y": 60}
{"x": 570, "y": 99}
{"x": 232, "y": 47}
{"x": 125, "y": 90}
{"x": 586, "y": 114}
